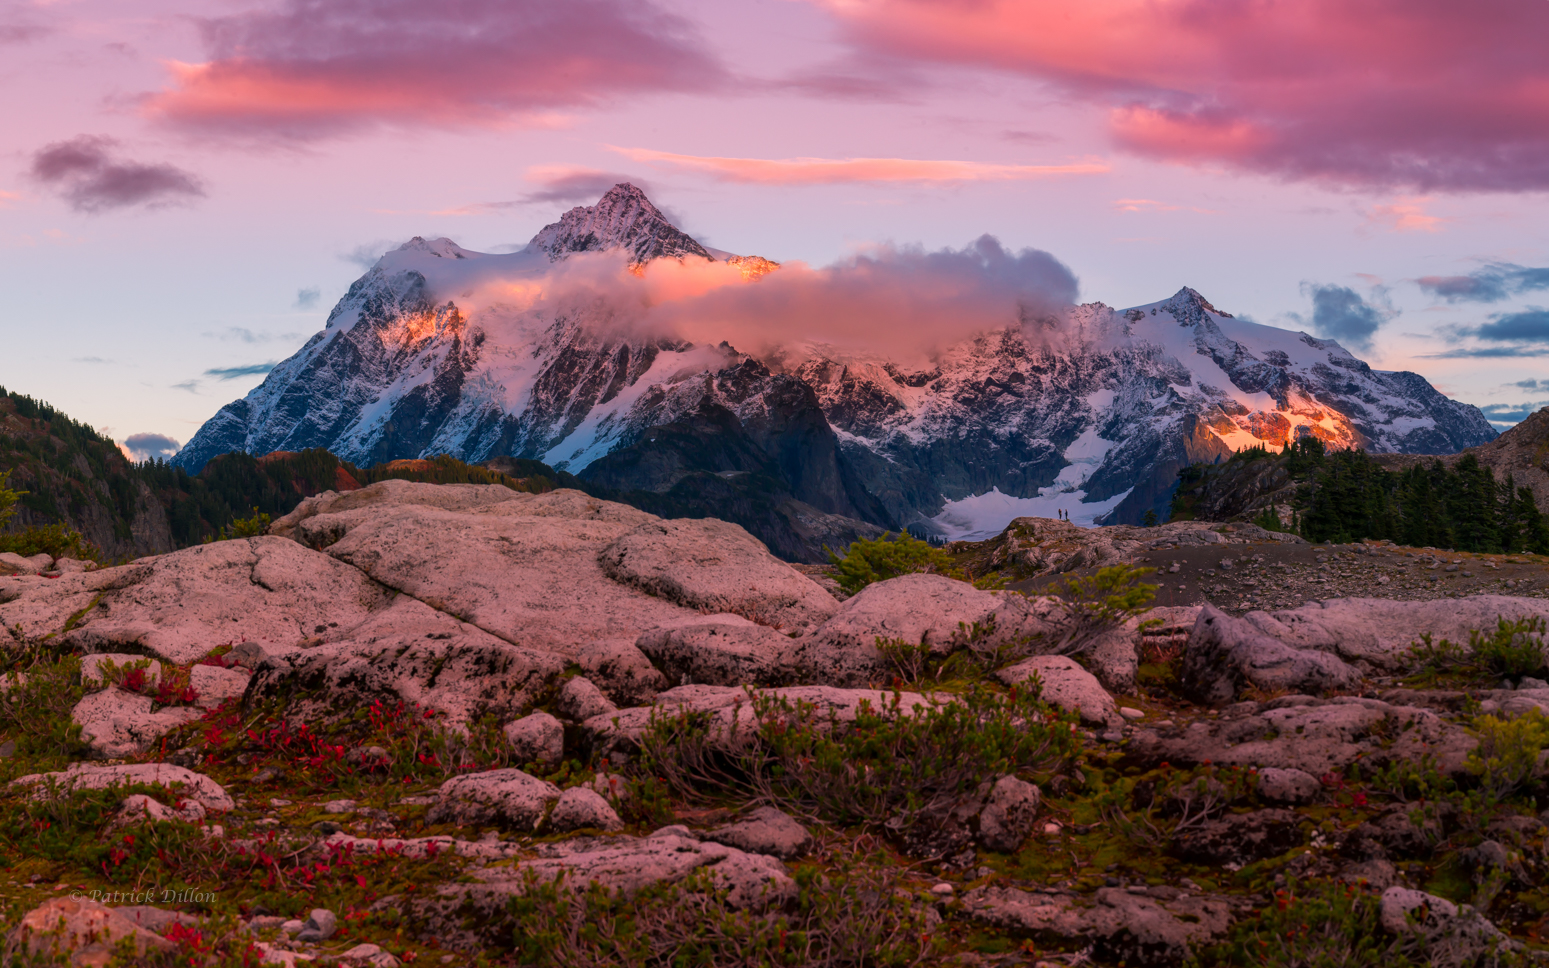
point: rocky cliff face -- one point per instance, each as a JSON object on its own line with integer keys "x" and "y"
{"x": 1093, "y": 413}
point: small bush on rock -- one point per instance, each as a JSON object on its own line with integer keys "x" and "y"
{"x": 1099, "y": 604}
{"x": 1508, "y": 751}
{"x": 865, "y": 562}
{"x": 8, "y": 497}
{"x": 249, "y": 527}
{"x": 1512, "y": 650}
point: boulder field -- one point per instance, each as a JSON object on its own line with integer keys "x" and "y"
{"x": 570, "y": 692}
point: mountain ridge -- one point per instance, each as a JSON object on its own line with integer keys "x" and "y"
{"x": 1093, "y": 412}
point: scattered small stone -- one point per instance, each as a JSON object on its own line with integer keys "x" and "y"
{"x": 580, "y": 700}
{"x": 339, "y": 806}
{"x": 292, "y": 927}
{"x": 582, "y": 807}
{"x": 1130, "y": 713}
{"x": 942, "y": 889}
{"x": 320, "y": 925}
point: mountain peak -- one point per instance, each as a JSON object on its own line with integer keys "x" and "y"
{"x": 623, "y": 218}
{"x": 443, "y": 248}
{"x": 1188, "y": 306}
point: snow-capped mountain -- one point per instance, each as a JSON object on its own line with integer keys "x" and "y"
{"x": 438, "y": 349}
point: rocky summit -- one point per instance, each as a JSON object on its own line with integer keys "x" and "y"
{"x": 1087, "y": 409}
{"x": 460, "y": 724}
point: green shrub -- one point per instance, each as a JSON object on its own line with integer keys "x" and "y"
{"x": 865, "y": 562}
{"x": 890, "y": 766}
{"x": 1508, "y": 751}
{"x": 1336, "y": 925}
{"x": 1513, "y": 650}
{"x": 35, "y": 711}
{"x": 250, "y": 527}
{"x": 852, "y": 917}
{"x": 8, "y": 497}
{"x": 1097, "y": 605}
{"x": 55, "y": 540}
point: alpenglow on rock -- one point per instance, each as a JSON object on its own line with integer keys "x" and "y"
{"x": 438, "y": 349}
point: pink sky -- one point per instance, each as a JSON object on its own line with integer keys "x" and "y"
{"x": 186, "y": 188}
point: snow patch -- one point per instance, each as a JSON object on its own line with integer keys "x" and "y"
{"x": 984, "y": 516}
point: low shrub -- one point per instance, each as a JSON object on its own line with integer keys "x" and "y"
{"x": 35, "y": 709}
{"x": 1508, "y": 751}
{"x": 852, "y": 917}
{"x": 1097, "y": 605}
{"x": 1336, "y": 925}
{"x": 890, "y": 766}
{"x": 54, "y": 540}
{"x": 1151, "y": 812}
{"x": 249, "y": 527}
{"x": 1512, "y": 650}
{"x": 889, "y": 556}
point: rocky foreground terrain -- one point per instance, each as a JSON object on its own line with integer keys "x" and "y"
{"x": 457, "y": 724}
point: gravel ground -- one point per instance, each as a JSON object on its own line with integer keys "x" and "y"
{"x": 1271, "y": 575}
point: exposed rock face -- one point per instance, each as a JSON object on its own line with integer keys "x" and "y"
{"x": 1242, "y": 838}
{"x": 1329, "y": 735}
{"x": 924, "y": 610}
{"x": 521, "y": 567}
{"x": 79, "y": 932}
{"x": 1380, "y": 631}
{"x": 1122, "y": 927}
{"x": 623, "y": 865}
{"x": 190, "y": 785}
{"x": 507, "y": 797}
{"x": 579, "y": 808}
{"x": 537, "y": 738}
{"x": 715, "y": 566}
{"x": 1068, "y": 686}
{"x": 1224, "y": 654}
{"x": 765, "y": 830}
{"x": 179, "y": 606}
{"x": 721, "y": 650}
{"x": 116, "y": 724}
{"x": 1008, "y": 814}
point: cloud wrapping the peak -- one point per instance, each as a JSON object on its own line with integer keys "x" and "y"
{"x": 1426, "y": 94}
{"x": 143, "y": 447}
{"x": 903, "y": 300}
{"x": 316, "y": 68}
{"x": 84, "y": 171}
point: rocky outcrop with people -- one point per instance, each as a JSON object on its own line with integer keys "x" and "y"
{"x": 443, "y": 723}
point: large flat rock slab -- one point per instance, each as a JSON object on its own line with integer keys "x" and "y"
{"x": 716, "y": 566}
{"x": 1380, "y": 631}
{"x": 179, "y": 606}
{"x": 1315, "y": 736}
{"x": 523, "y": 568}
{"x": 1122, "y": 927}
{"x": 412, "y": 654}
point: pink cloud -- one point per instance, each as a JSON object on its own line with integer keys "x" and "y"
{"x": 1406, "y": 215}
{"x": 833, "y": 171}
{"x": 913, "y": 301}
{"x": 315, "y": 68}
{"x": 1424, "y": 93}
